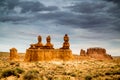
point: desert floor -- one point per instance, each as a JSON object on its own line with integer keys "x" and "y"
{"x": 78, "y": 69}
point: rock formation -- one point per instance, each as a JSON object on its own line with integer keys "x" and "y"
{"x": 48, "y": 45}
{"x": 97, "y": 53}
{"x": 66, "y": 44}
{"x": 37, "y": 45}
{"x": 40, "y": 52}
{"x": 14, "y": 55}
{"x": 82, "y": 52}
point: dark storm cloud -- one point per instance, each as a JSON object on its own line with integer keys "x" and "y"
{"x": 97, "y": 16}
{"x": 9, "y": 4}
{"x": 115, "y": 1}
{"x": 54, "y": 15}
{"x": 7, "y": 12}
{"x": 87, "y": 7}
{"x": 12, "y": 18}
{"x": 35, "y": 7}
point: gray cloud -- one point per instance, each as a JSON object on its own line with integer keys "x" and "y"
{"x": 12, "y": 18}
{"x": 115, "y": 1}
{"x": 89, "y": 23}
{"x": 95, "y": 16}
{"x": 88, "y": 7}
{"x": 35, "y": 7}
{"x": 8, "y": 13}
{"x": 101, "y": 16}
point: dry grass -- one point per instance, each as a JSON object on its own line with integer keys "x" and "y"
{"x": 54, "y": 70}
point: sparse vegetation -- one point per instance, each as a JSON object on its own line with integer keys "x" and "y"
{"x": 12, "y": 72}
{"x": 31, "y": 75}
{"x": 9, "y": 72}
{"x": 88, "y": 77}
{"x": 81, "y": 70}
{"x": 113, "y": 72}
{"x": 19, "y": 70}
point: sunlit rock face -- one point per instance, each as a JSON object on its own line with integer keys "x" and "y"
{"x": 97, "y": 53}
{"x": 66, "y": 44}
{"x": 14, "y": 55}
{"x": 40, "y": 52}
{"x": 82, "y": 52}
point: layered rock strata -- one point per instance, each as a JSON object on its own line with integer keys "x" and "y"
{"x": 14, "y": 55}
{"x": 97, "y": 53}
{"x": 40, "y": 52}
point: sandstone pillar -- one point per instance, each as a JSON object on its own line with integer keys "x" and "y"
{"x": 14, "y": 55}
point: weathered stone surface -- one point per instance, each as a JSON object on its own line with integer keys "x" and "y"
{"x": 48, "y": 45}
{"x": 97, "y": 53}
{"x": 48, "y": 55}
{"x": 37, "y": 45}
{"x": 66, "y": 55}
{"x": 66, "y": 44}
{"x": 14, "y": 55}
{"x": 47, "y": 52}
{"x": 82, "y": 52}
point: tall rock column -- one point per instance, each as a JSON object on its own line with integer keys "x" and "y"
{"x": 14, "y": 55}
{"x": 48, "y": 45}
{"x": 66, "y": 44}
{"x": 82, "y": 52}
{"x": 65, "y": 53}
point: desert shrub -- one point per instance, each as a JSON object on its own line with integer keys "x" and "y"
{"x": 116, "y": 78}
{"x": 49, "y": 77}
{"x": 61, "y": 78}
{"x": 60, "y": 67}
{"x": 17, "y": 64}
{"x": 12, "y": 63}
{"x": 116, "y": 72}
{"x": 19, "y": 70}
{"x": 73, "y": 74}
{"x": 88, "y": 77}
{"x": 31, "y": 75}
{"x": 96, "y": 75}
{"x": 113, "y": 72}
{"x": 108, "y": 73}
{"x": 9, "y": 72}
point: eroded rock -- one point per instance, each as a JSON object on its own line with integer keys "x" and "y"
{"x": 47, "y": 52}
{"x": 14, "y": 55}
{"x": 97, "y": 53}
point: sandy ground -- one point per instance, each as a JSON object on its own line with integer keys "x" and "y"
{"x": 78, "y": 69}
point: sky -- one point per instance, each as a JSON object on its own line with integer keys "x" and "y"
{"x": 88, "y": 23}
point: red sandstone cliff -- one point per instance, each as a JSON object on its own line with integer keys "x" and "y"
{"x": 96, "y": 53}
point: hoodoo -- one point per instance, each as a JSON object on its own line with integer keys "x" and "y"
{"x": 14, "y": 55}
{"x": 47, "y": 52}
{"x": 40, "y": 52}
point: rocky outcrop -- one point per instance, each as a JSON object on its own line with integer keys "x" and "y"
{"x": 48, "y": 55}
{"x": 82, "y": 52}
{"x": 14, "y": 55}
{"x": 37, "y": 45}
{"x": 66, "y": 44}
{"x": 97, "y": 53}
{"x": 40, "y": 52}
{"x": 48, "y": 45}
